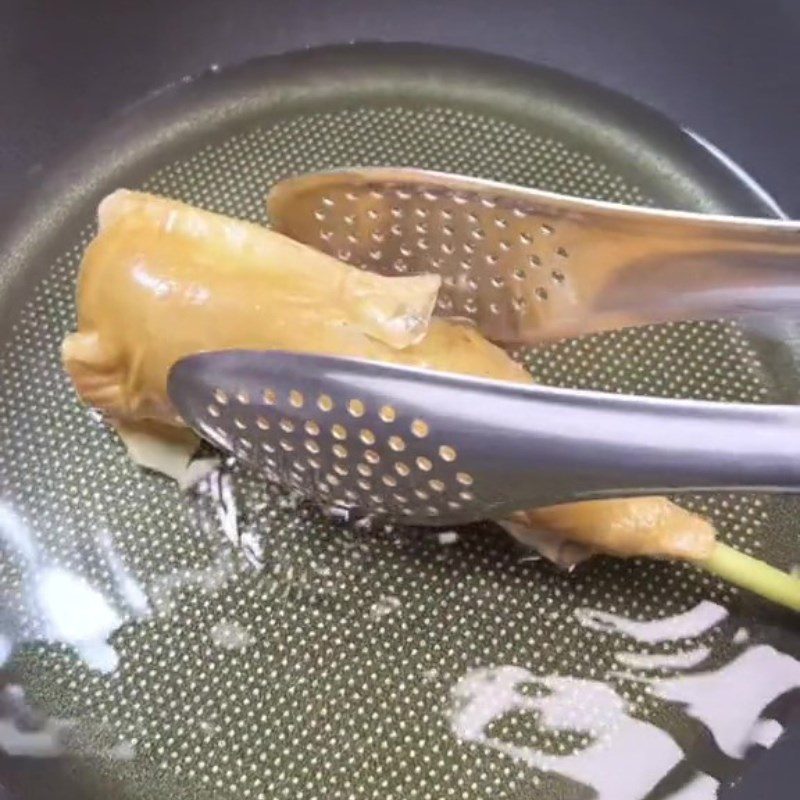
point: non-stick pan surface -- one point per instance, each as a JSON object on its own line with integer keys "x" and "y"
{"x": 165, "y": 657}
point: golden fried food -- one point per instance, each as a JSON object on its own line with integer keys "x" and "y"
{"x": 163, "y": 280}
{"x": 639, "y": 526}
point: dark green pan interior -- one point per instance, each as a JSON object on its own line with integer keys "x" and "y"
{"x": 334, "y": 671}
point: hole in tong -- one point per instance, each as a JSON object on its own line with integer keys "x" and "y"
{"x": 371, "y": 456}
{"x": 356, "y": 408}
{"x": 447, "y": 453}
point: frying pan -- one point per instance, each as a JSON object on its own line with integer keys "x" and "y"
{"x": 232, "y": 642}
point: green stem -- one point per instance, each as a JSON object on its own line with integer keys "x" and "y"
{"x": 750, "y": 573}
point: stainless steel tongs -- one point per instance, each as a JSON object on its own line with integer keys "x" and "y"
{"x": 526, "y": 264}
